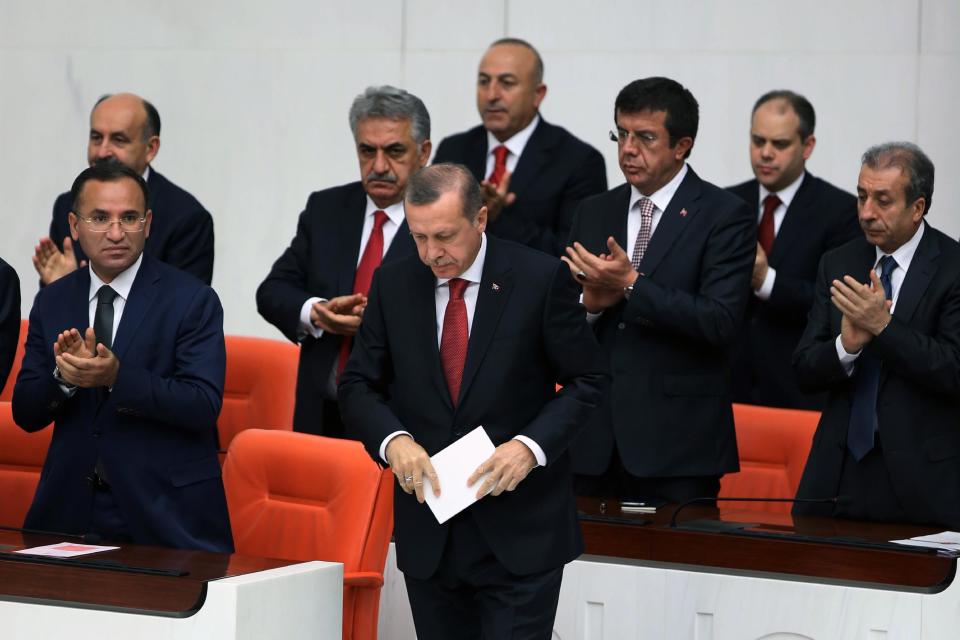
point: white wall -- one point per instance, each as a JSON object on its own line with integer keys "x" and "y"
{"x": 254, "y": 95}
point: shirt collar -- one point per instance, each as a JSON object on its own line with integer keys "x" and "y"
{"x": 662, "y": 197}
{"x": 786, "y": 194}
{"x": 474, "y": 272}
{"x": 121, "y": 284}
{"x": 904, "y": 253}
{"x": 394, "y": 211}
{"x": 146, "y": 174}
{"x": 516, "y": 143}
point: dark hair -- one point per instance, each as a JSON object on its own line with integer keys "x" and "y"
{"x": 393, "y": 104}
{"x": 106, "y": 170}
{"x": 800, "y": 105}
{"x": 151, "y": 127}
{"x": 662, "y": 94}
{"x": 537, "y": 60}
{"x": 427, "y": 185}
{"x": 910, "y": 159}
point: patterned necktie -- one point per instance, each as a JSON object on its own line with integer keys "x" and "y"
{"x": 453, "y": 342}
{"x": 371, "y": 259}
{"x": 643, "y": 236}
{"x": 499, "y": 165}
{"x": 103, "y": 316}
{"x": 863, "y": 411}
{"x": 766, "y": 231}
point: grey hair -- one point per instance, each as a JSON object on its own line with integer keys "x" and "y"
{"x": 427, "y": 185}
{"x": 910, "y": 159}
{"x": 393, "y": 104}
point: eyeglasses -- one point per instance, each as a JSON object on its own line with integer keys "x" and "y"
{"x": 620, "y": 136}
{"x": 129, "y": 222}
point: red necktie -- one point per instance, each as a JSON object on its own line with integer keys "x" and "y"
{"x": 453, "y": 343}
{"x": 499, "y": 165}
{"x": 372, "y": 256}
{"x": 765, "y": 232}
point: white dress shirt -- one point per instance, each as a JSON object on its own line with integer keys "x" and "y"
{"x": 395, "y": 217}
{"x": 515, "y": 145}
{"x": 904, "y": 256}
{"x": 472, "y": 275}
{"x": 786, "y": 196}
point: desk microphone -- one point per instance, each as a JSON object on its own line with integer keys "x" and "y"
{"x": 684, "y": 505}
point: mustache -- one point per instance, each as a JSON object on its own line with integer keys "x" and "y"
{"x": 385, "y": 176}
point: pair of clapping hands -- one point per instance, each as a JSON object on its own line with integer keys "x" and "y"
{"x": 83, "y": 362}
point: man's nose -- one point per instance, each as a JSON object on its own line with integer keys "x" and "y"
{"x": 115, "y": 233}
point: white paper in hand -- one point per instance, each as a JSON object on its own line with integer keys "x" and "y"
{"x": 454, "y": 466}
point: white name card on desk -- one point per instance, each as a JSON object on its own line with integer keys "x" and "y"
{"x": 454, "y": 466}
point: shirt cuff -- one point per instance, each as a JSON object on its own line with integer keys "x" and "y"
{"x": 386, "y": 441}
{"x": 847, "y": 360}
{"x": 306, "y": 327}
{"x": 766, "y": 289}
{"x": 535, "y": 449}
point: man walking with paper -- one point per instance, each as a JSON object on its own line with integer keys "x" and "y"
{"x": 476, "y": 332}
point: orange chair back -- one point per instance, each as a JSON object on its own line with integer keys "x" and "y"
{"x": 774, "y": 445}
{"x": 6, "y": 394}
{"x": 21, "y": 460}
{"x": 259, "y": 388}
{"x": 296, "y": 496}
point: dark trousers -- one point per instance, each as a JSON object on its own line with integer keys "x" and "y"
{"x": 473, "y": 597}
{"x": 619, "y": 483}
{"x": 330, "y": 425}
{"x": 867, "y": 491}
{"x": 106, "y": 520}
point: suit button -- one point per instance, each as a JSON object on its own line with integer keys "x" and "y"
{"x": 622, "y": 325}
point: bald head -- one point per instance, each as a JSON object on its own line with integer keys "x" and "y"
{"x": 124, "y": 127}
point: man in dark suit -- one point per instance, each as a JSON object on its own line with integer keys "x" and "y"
{"x": 533, "y": 173}
{"x": 800, "y": 217}
{"x": 475, "y": 333}
{"x": 316, "y": 291}
{"x": 9, "y": 319}
{"x": 665, "y": 263}
{"x": 126, "y": 128}
{"x": 126, "y": 358}
{"x": 883, "y": 340}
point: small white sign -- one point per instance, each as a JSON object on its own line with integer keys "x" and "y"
{"x": 65, "y": 550}
{"x": 454, "y": 466}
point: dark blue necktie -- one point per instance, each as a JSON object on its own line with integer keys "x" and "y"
{"x": 863, "y": 413}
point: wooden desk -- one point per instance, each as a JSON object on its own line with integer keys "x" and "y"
{"x": 165, "y": 593}
{"x": 640, "y": 578}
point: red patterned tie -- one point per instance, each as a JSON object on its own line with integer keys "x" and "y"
{"x": 499, "y": 165}
{"x": 453, "y": 343}
{"x": 765, "y": 232}
{"x": 372, "y": 256}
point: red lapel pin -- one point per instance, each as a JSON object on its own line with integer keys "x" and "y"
{"x": 495, "y": 286}
{"x": 683, "y": 213}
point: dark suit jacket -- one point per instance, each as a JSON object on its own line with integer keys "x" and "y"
{"x": 528, "y": 333}
{"x": 668, "y": 410}
{"x": 9, "y": 319}
{"x": 555, "y": 171}
{"x": 320, "y": 261}
{"x": 918, "y": 406}
{"x": 819, "y": 218}
{"x": 154, "y": 433}
{"x": 181, "y": 233}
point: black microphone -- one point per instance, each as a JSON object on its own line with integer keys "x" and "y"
{"x": 684, "y": 505}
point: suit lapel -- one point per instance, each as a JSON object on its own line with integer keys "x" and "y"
{"x": 922, "y": 268}
{"x": 423, "y": 303}
{"x": 496, "y": 285}
{"x": 349, "y": 230}
{"x": 142, "y": 294}
{"x": 683, "y": 208}
{"x": 535, "y": 155}
{"x": 401, "y": 245}
{"x": 793, "y": 221}
{"x": 79, "y": 315}
{"x": 477, "y": 153}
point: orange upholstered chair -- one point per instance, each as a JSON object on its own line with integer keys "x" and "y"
{"x": 260, "y": 386}
{"x": 773, "y": 444}
{"x": 21, "y": 460}
{"x": 296, "y": 496}
{"x": 6, "y": 394}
